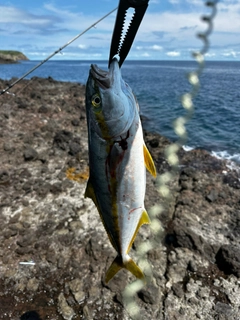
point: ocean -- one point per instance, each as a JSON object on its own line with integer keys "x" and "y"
{"x": 158, "y": 86}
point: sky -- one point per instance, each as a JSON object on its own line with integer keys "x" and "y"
{"x": 168, "y": 30}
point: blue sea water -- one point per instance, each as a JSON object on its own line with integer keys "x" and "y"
{"x": 158, "y": 86}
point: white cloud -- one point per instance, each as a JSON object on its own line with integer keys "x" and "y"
{"x": 82, "y": 46}
{"x": 170, "y": 21}
{"x": 11, "y": 14}
{"x": 145, "y": 54}
{"x": 78, "y": 20}
{"x": 228, "y": 17}
{"x": 232, "y": 53}
{"x": 18, "y": 17}
{"x": 173, "y": 53}
{"x": 156, "y": 47}
{"x": 37, "y": 53}
{"x": 210, "y": 54}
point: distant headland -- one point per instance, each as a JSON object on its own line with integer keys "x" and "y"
{"x": 11, "y": 56}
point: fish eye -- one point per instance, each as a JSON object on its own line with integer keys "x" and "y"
{"x": 96, "y": 100}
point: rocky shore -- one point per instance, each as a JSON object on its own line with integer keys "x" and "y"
{"x": 54, "y": 251}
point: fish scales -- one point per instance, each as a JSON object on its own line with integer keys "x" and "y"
{"x": 118, "y": 159}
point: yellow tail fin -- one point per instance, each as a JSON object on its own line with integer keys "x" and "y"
{"x": 118, "y": 264}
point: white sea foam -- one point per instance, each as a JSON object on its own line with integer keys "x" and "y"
{"x": 233, "y": 160}
{"x": 227, "y": 156}
{"x": 187, "y": 148}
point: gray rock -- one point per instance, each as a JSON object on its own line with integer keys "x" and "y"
{"x": 224, "y": 310}
{"x": 8, "y": 146}
{"x": 212, "y": 196}
{"x": 56, "y": 188}
{"x": 75, "y": 122}
{"x": 74, "y": 148}
{"x": 27, "y": 187}
{"x": 4, "y": 176}
{"x": 25, "y": 202}
{"x": 25, "y": 173}
{"x": 43, "y": 109}
{"x": 62, "y": 139}
{"x": 154, "y": 143}
{"x": 64, "y": 309}
{"x": 150, "y": 294}
{"x": 228, "y": 259}
{"x": 30, "y": 154}
{"x": 43, "y": 156}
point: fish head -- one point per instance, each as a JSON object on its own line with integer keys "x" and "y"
{"x": 110, "y": 102}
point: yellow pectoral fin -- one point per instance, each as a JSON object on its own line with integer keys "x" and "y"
{"x": 149, "y": 162}
{"x": 143, "y": 220}
{"x": 118, "y": 264}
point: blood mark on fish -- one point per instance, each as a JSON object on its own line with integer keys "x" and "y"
{"x": 131, "y": 211}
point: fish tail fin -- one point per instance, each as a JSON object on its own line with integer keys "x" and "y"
{"x": 128, "y": 264}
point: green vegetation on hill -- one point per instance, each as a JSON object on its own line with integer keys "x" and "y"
{"x": 11, "y": 52}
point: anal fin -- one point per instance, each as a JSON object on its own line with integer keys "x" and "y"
{"x": 143, "y": 220}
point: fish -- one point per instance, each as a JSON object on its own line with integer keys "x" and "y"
{"x": 118, "y": 158}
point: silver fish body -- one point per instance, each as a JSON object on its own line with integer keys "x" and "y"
{"x": 118, "y": 159}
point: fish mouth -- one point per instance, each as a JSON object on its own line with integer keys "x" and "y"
{"x": 105, "y": 79}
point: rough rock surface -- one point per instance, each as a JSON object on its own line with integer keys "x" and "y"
{"x": 54, "y": 251}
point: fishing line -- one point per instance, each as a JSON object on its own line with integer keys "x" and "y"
{"x": 55, "y": 52}
{"x": 172, "y": 158}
